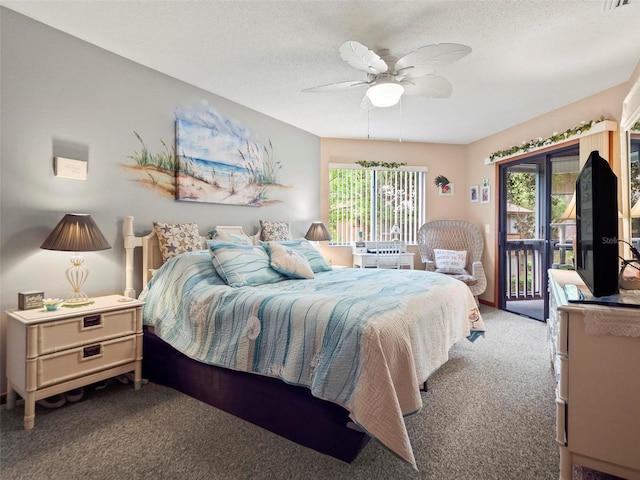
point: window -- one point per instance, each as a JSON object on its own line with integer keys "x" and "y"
{"x": 376, "y": 204}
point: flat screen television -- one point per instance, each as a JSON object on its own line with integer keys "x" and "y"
{"x": 597, "y": 226}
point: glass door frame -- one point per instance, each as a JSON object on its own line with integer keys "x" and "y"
{"x": 543, "y": 226}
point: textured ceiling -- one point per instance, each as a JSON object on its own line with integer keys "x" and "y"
{"x": 528, "y": 58}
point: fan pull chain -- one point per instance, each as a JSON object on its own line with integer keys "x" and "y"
{"x": 400, "y": 122}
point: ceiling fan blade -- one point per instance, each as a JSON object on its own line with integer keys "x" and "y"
{"x": 425, "y": 59}
{"x": 361, "y": 58}
{"x": 429, "y": 86}
{"x": 332, "y": 87}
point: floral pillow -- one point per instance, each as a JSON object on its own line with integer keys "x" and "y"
{"x": 450, "y": 261}
{"x": 177, "y": 238}
{"x": 242, "y": 265}
{"x": 287, "y": 261}
{"x": 274, "y": 231}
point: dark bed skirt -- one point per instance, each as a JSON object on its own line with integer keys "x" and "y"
{"x": 287, "y": 410}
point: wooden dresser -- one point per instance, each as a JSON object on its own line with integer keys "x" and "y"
{"x": 596, "y": 361}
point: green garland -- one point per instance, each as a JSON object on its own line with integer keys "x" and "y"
{"x": 636, "y": 127}
{"x": 543, "y": 142}
{"x": 366, "y": 164}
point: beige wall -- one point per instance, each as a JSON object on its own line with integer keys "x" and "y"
{"x": 447, "y": 160}
{"x": 465, "y": 166}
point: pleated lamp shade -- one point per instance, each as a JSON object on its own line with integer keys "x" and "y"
{"x": 76, "y": 232}
{"x": 317, "y": 232}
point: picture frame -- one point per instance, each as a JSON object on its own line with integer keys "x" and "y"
{"x": 474, "y": 193}
{"x": 485, "y": 194}
{"x": 30, "y": 300}
{"x": 445, "y": 190}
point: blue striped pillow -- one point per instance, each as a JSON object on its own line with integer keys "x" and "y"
{"x": 242, "y": 265}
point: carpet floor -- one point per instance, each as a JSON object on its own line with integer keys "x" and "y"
{"x": 489, "y": 414}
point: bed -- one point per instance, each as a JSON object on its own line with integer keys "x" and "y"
{"x": 328, "y": 362}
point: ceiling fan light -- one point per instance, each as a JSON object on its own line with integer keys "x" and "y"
{"x": 385, "y": 94}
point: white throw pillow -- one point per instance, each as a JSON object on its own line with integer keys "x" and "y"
{"x": 287, "y": 261}
{"x": 450, "y": 261}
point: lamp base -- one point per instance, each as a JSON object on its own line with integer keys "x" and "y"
{"x": 76, "y": 274}
{"x": 77, "y": 302}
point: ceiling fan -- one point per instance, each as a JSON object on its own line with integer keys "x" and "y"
{"x": 388, "y": 78}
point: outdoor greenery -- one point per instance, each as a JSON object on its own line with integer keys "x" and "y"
{"x": 370, "y": 202}
{"x": 342, "y": 209}
{"x": 521, "y": 191}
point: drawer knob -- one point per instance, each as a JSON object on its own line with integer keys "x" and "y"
{"x": 91, "y": 321}
{"x": 91, "y": 351}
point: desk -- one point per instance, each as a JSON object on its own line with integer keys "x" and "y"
{"x": 368, "y": 260}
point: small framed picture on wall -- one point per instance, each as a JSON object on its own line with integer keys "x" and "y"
{"x": 473, "y": 193}
{"x": 485, "y": 194}
{"x": 446, "y": 190}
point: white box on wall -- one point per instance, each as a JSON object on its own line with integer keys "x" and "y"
{"x": 69, "y": 168}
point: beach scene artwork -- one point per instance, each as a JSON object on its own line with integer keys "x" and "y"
{"x": 219, "y": 162}
{"x": 155, "y": 170}
{"x": 213, "y": 160}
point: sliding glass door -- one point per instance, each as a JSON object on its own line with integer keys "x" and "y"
{"x": 536, "y": 228}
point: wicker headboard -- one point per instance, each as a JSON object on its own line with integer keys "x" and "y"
{"x": 151, "y": 255}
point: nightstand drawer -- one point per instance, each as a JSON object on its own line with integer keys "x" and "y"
{"x": 64, "y": 334}
{"x": 77, "y": 362}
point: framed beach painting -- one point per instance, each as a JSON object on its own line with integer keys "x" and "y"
{"x": 218, "y": 166}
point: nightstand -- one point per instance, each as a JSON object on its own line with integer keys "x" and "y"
{"x": 53, "y": 352}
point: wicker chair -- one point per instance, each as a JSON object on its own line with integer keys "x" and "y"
{"x": 455, "y": 235}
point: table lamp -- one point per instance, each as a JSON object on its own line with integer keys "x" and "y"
{"x": 317, "y": 233}
{"x": 76, "y": 232}
{"x": 395, "y": 232}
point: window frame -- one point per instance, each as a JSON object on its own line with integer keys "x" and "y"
{"x": 420, "y": 202}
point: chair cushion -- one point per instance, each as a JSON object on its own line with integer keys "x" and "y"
{"x": 468, "y": 279}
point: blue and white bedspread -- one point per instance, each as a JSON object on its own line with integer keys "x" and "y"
{"x": 366, "y": 339}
